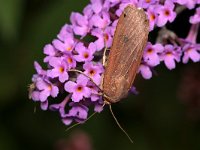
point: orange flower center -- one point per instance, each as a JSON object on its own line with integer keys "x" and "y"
{"x": 106, "y": 37}
{"x": 150, "y": 51}
{"x": 69, "y": 60}
{"x": 69, "y": 48}
{"x": 49, "y": 87}
{"x": 92, "y": 72}
{"x": 167, "y": 13}
{"x": 148, "y": 1}
{"x": 152, "y": 17}
{"x": 61, "y": 69}
{"x": 79, "y": 89}
{"x": 189, "y": 49}
{"x": 168, "y": 53}
{"x": 86, "y": 55}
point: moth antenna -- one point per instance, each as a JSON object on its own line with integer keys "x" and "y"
{"x": 74, "y": 70}
{"x": 74, "y": 125}
{"x": 119, "y": 124}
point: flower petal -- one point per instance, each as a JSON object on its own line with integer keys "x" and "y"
{"x": 44, "y": 105}
{"x": 69, "y": 86}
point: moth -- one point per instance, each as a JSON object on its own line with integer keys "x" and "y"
{"x": 129, "y": 40}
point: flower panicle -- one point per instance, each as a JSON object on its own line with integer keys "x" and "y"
{"x": 74, "y": 65}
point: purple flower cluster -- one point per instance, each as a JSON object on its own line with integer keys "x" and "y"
{"x": 74, "y": 66}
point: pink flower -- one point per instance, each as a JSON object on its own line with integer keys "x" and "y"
{"x": 65, "y": 46}
{"x": 50, "y": 51}
{"x": 166, "y": 13}
{"x": 93, "y": 71}
{"x": 85, "y": 54}
{"x": 59, "y": 69}
{"x": 145, "y": 71}
{"x": 190, "y": 52}
{"x": 170, "y": 55}
{"x": 196, "y": 18}
{"x": 151, "y": 54}
{"x": 78, "y": 88}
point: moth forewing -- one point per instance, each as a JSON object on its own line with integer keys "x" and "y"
{"x": 125, "y": 55}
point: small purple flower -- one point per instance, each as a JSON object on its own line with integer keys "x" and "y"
{"x": 85, "y": 54}
{"x": 61, "y": 106}
{"x": 125, "y": 3}
{"x": 151, "y": 52}
{"x": 104, "y": 37}
{"x": 190, "y": 4}
{"x": 69, "y": 58}
{"x": 59, "y": 69}
{"x": 93, "y": 71}
{"x": 80, "y": 24}
{"x": 145, "y": 71}
{"x": 166, "y": 13}
{"x": 66, "y": 46}
{"x": 99, "y": 5}
{"x": 190, "y": 52}
{"x": 46, "y": 89}
{"x": 43, "y": 90}
{"x": 50, "y": 51}
{"x": 192, "y": 35}
{"x": 79, "y": 89}
{"x": 170, "y": 55}
{"x": 39, "y": 69}
{"x": 101, "y": 20}
{"x": 98, "y": 105}
{"x": 152, "y": 16}
{"x": 78, "y": 112}
{"x": 87, "y": 11}
{"x": 189, "y": 46}
{"x": 196, "y": 18}
{"x": 65, "y": 32}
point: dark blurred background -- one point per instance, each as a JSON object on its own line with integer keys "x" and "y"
{"x": 164, "y": 116}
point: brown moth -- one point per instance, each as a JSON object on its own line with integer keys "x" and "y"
{"x": 125, "y": 55}
{"x": 129, "y": 40}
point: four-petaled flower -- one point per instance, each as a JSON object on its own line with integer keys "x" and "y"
{"x": 59, "y": 69}
{"x": 93, "y": 71}
{"x": 44, "y": 90}
{"x": 166, "y": 13}
{"x": 170, "y": 55}
{"x": 78, "y": 88}
{"x": 145, "y": 71}
{"x": 65, "y": 46}
{"x": 85, "y": 54}
{"x": 191, "y": 52}
{"x": 151, "y": 54}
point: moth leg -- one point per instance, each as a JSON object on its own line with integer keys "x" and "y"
{"x": 104, "y": 56}
{"x": 101, "y": 84}
{"x": 81, "y": 72}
